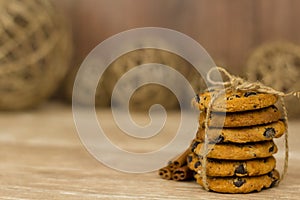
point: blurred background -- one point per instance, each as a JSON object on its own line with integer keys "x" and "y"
{"x": 43, "y": 42}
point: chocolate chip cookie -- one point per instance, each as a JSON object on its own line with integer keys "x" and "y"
{"x": 240, "y": 184}
{"x": 236, "y": 101}
{"x": 245, "y": 134}
{"x": 233, "y": 151}
{"x": 242, "y": 119}
{"x": 222, "y": 168}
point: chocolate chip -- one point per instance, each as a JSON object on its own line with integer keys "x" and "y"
{"x": 271, "y": 149}
{"x": 254, "y": 106}
{"x": 197, "y": 164}
{"x": 254, "y": 154}
{"x": 197, "y": 98}
{"x": 240, "y": 170}
{"x": 220, "y": 139}
{"x": 247, "y": 94}
{"x": 194, "y": 145}
{"x": 269, "y": 132}
{"x": 239, "y": 182}
{"x": 237, "y": 96}
{"x": 189, "y": 159}
{"x": 216, "y": 140}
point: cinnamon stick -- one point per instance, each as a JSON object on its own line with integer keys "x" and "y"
{"x": 180, "y": 160}
{"x": 182, "y": 173}
{"x": 165, "y": 173}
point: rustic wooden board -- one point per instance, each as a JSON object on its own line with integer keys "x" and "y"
{"x": 42, "y": 157}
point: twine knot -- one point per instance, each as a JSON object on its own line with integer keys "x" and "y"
{"x": 236, "y": 83}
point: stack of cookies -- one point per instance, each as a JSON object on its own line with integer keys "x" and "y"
{"x": 241, "y": 128}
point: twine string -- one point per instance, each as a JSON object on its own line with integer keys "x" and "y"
{"x": 286, "y": 144}
{"x": 206, "y": 150}
{"x": 235, "y": 83}
{"x": 239, "y": 84}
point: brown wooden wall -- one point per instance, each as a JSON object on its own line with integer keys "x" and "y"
{"x": 228, "y": 29}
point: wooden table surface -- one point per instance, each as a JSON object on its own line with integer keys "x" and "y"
{"x": 42, "y": 157}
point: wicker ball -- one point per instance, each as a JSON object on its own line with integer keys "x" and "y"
{"x": 277, "y": 65}
{"x": 102, "y": 98}
{"x": 35, "y": 49}
{"x": 151, "y": 94}
{"x": 145, "y": 96}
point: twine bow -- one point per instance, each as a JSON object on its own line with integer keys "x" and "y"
{"x": 239, "y": 84}
{"x": 235, "y": 83}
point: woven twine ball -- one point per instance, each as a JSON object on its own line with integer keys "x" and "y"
{"x": 35, "y": 49}
{"x": 150, "y": 94}
{"x": 102, "y": 99}
{"x": 277, "y": 65}
{"x": 145, "y": 96}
